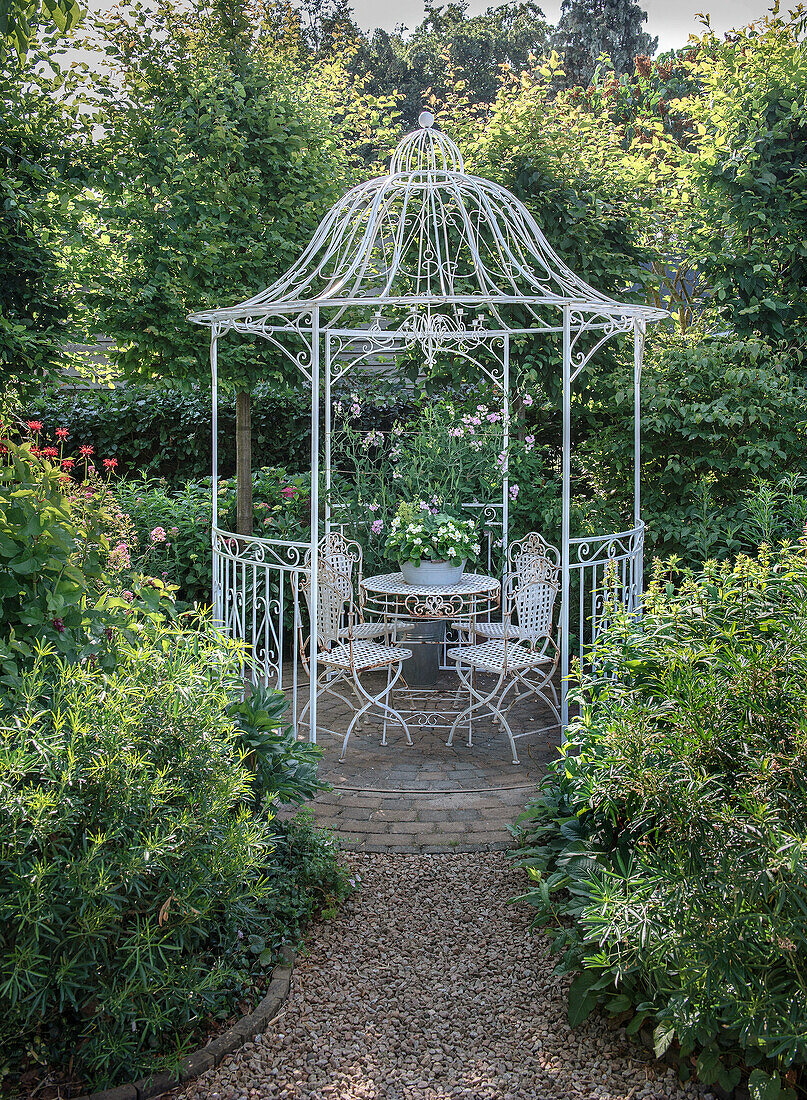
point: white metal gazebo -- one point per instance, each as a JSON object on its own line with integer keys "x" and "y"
{"x": 431, "y": 259}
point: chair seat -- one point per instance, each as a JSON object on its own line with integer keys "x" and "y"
{"x": 364, "y": 631}
{"x": 490, "y": 657}
{"x": 496, "y": 631}
{"x": 364, "y": 655}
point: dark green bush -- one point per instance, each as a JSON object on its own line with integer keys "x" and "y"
{"x": 135, "y": 877}
{"x": 284, "y": 768}
{"x": 165, "y": 430}
{"x": 673, "y": 830}
{"x": 718, "y": 414}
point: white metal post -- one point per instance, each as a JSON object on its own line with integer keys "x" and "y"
{"x": 328, "y": 429}
{"x": 639, "y": 330}
{"x": 567, "y": 501}
{"x": 218, "y": 616}
{"x": 506, "y": 449}
{"x": 314, "y": 601}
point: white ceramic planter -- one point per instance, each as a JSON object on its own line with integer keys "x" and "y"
{"x": 432, "y": 572}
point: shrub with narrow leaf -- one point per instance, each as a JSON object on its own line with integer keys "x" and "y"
{"x": 673, "y": 829}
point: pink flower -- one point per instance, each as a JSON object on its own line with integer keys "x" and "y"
{"x": 110, "y": 463}
{"x": 373, "y": 507}
{"x": 456, "y": 433}
{"x": 377, "y": 527}
{"x": 58, "y": 624}
{"x": 174, "y": 530}
{"x": 289, "y": 492}
{"x": 119, "y": 558}
{"x": 158, "y": 535}
{"x": 527, "y": 400}
{"x": 35, "y": 426}
{"x": 62, "y": 433}
{"x": 529, "y": 442}
{"x": 493, "y": 417}
{"x": 127, "y": 595}
{"x": 85, "y": 451}
{"x": 513, "y": 492}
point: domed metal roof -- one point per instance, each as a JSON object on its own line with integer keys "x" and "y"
{"x": 427, "y": 232}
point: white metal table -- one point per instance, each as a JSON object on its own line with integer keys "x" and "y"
{"x": 391, "y": 596}
{"x": 420, "y": 614}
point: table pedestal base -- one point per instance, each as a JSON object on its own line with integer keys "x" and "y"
{"x": 424, "y": 638}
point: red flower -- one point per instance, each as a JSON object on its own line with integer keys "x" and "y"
{"x": 289, "y": 492}
{"x": 35, "y": 451}
{"x": 85, "y": 451}
{"x": 50, "y": 452}
{"x": 110, "y": 463}
{"x": 34, "y": 426}
{"x": 68, "y": 463}
{"x": 62, "y": 433}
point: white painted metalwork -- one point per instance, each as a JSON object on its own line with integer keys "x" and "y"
{"x": 345, "y": 654}
{"x": 433, "y": 258}
{"x": 524, "y": 660}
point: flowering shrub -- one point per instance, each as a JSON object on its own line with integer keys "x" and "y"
{"x": 423, "y": 532}
{"x": 175, "y": 524}
{"x": 667, "y": 845}
{"x": 65, "y": 573}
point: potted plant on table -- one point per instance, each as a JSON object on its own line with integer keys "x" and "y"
{"x": 431, "y": 547}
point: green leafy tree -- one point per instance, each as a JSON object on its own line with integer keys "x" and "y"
{"x": 39, "y": 174}
{"x": 589, "y": 28}
{"x": 450, "y": 45}
{"x": 217, "y": 161}
{"x": 19, "y": 20}
{"x": 749, "y": 173}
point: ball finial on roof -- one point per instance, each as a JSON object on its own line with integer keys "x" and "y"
{"x": 425, "y": 120}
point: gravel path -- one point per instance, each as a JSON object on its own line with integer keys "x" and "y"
{"x": 428, "y": 987}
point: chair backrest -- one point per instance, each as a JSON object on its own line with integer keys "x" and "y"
{"x": 337, "y": 560}
{"x": 532, "y": 602}
{"x": 334, "y": 599}
{"x": 533, "y": 582}
{"x": 534, "y": 554}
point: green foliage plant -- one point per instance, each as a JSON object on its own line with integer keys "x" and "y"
{"x": 184, "y": 557}
{"x": 41, "y": 174}
{"x": 748, "y": 174}
{"x": 667, "y": 845}
{"x": 144, "y": 890}
{"x": 285, "y": 769}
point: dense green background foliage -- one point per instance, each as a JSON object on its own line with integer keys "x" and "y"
{"x": 40, "y": 172}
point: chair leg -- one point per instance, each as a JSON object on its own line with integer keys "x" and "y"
{"x": 386, "y": 719}
{"x": 487, "y": 702}
{"x": 374, "y": 701}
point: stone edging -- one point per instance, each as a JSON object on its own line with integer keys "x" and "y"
{"x": 210, "y": 1055}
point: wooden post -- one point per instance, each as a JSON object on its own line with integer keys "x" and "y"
{"x": 243, "y": 462}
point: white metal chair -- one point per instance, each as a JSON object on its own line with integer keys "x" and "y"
{"x": 523, "y": 660}
{"x": 343, "y": 558}
{"x": 532, "y": 554}
{"x": 344, "y": 656}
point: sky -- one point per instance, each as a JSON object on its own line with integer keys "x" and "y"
{"x": 672, "y": 20}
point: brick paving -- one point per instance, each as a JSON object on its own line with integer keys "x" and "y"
{"x": 428, "y": 797}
